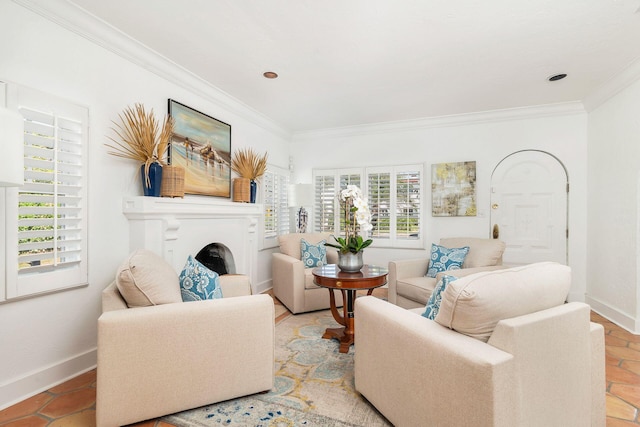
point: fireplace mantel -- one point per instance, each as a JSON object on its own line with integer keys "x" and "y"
{"x": 177, "y": 228}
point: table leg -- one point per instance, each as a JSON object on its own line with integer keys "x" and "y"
{"x": 334, "y": 310}
{"x": 345, "y": 334}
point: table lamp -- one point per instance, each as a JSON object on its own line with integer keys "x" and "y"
{"x": 301, "y": 195}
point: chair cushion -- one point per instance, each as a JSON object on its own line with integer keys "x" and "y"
{"x": 482, "y": 252}
{"x": 417, "y": 289}
{"x": 290, "y": 243}
{"x": 433, "y": 305}
{"x": 145, "y": 279}
{"x": 198, "y": 283}
{"x": 308, "y": 279}
{"x": 474, "y": 304}
{"x": 313, "y": 255}
{"x": 444, "y": 259}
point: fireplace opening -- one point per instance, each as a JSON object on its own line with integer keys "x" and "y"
{"x": 217, "y": 257}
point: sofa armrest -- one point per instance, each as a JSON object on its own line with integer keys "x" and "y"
{"x": 173, "y": 357}
{"x": 553, "y": 349}
{"x": 288, "y": 280}
{"x": 235, "y": 285}
{"x": 417, "y": 372}
{"x": 403, "y": 269}
{"x": 598, "y": 376}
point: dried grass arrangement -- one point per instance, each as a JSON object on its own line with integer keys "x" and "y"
{"x": 248, "y": 164}
{"x": 140, "y": 138}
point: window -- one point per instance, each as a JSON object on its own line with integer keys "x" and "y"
{"x": 46, "y": 219}
{"x": 324, "y": 210}
{"x": 275, "y": 187}
{"x": 394, "y": 194}
{"x": 328, "y": 212}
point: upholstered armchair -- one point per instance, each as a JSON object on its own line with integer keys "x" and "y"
{"x": 504, "y": 350}
{"x": 408, "y": 286}
{"x": 173, "y": 356}
{"x": 292, "y": 282}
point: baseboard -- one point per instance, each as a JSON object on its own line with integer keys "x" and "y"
{"x": 17, "y": 390}
{"x": 616, "y": 316}
{"x": 263, "y": 286}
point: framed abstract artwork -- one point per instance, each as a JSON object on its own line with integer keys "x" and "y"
{"x": 202, "y": 146}
{"x": 453, "y": 189}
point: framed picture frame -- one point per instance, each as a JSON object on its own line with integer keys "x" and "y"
{"x": 453, "y": 189}
{"x": 202, "y": 146}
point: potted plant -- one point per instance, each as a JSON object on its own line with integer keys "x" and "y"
{"x": 250, "y": 167}
{"x": 356, "y": 217}
{"x": 139, "y": 138}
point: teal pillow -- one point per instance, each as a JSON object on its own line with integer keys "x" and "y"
{"x": 444, "y": 259}
{"x": 313, "y": 255}
{"x": 433, "y": 305}
{"x": 198, "y": 283}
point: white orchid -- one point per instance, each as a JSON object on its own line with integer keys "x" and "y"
{"x": 356, "y": 216}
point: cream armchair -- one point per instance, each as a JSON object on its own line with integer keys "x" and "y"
{"x": 292, "y": 282}
{"x": 504, "y": 351}
{"x": 162, "y": 359}
{"x": 408, "y": 286}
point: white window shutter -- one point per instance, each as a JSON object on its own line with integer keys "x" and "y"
{"x": 48, "y": 227}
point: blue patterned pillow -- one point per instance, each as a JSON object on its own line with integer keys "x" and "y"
{"x": 443, "y": 259}
{"x": 313, "y": 255}
{"x": 433, "y": 305}
{"x": 198, "y": 283}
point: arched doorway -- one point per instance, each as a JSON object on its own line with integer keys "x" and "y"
{"x": 529, "y": 202}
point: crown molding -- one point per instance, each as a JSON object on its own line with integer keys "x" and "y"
{"x": 613, "y": 86}
{"x": 566, "y": 108}
{"x": 97, "y": 31}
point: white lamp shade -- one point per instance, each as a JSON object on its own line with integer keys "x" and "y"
{"x": 300, "y": 195}
{"x": 12, "y": 146}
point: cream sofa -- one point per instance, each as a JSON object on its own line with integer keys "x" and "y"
{"x": 408, "y": 286}
{"x": 292, "y": 282}
{"x": 167, "y": 358}
{"x": 504, "y": 350}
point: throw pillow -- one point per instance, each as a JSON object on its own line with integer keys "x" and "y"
{"x": 444, "y": 259}
{"x": 198, "y": 283}
{"x": 313, "y": 255}
{"x": 145, "y": 279}
{"x": 433, "y": 305}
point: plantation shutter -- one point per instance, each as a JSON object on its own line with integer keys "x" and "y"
{"x": 324, "y": 208}
{"x": 408, "y": 204}
{"x": 276, "y": 204}
{"x": 49, "y": 228}
{"x": 49, "y": 203}
{"x": 346, "y": 179}
{"x": 379, "y": 198}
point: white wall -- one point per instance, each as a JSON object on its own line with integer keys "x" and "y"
{"x": 486, "y": 138}
{"x": 44, "y": 340}
{"x": 614, "y": 200}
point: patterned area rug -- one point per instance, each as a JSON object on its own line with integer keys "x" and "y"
{"x": 314, "y": 386}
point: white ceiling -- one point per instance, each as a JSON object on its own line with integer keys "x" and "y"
{"x": 351, "y": 62}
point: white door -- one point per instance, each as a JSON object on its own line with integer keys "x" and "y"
{"x": 529, "y": 191}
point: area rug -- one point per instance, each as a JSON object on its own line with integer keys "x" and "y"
{"x": 314, "y": 386}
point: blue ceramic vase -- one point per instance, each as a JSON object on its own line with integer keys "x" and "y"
{"x": 155, "y": 179}
{"x": 253, "y": 191}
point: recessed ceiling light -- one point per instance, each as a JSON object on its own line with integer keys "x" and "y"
{"x": 557, "y": 77}
{"x": 270, "y": 75}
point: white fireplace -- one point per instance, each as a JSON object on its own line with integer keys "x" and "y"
{"x": 177, "y": 228}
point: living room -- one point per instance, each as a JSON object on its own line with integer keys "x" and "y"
{"x": 57, "y": 48}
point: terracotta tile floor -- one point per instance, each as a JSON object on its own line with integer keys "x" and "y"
{"x": 72, "y": 404}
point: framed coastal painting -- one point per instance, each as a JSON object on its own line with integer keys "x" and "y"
{"x": 202, "y": 146}
{"x": 453, "y": 189}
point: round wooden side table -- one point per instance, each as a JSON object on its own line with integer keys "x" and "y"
{"x": 330, "y": 277}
